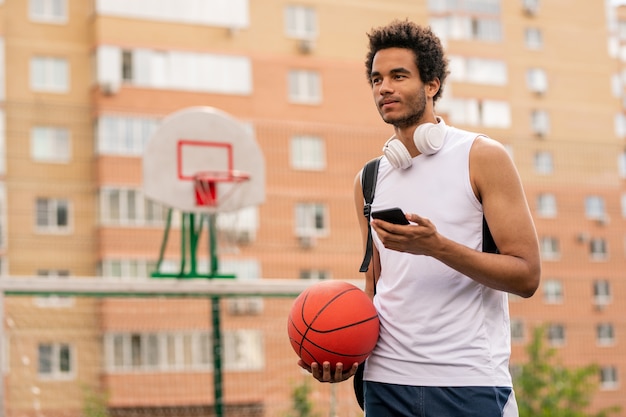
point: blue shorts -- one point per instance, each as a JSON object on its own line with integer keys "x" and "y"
{"x": 391, "y": 400}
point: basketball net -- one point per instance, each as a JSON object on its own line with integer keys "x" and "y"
{"x": 206, "y": 186}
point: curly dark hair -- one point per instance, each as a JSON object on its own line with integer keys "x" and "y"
{"x": 429, "y": 54}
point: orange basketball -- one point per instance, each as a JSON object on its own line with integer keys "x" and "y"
{"x": 333, "y": 321}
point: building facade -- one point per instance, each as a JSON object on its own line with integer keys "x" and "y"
{"x": 84, "y": 85}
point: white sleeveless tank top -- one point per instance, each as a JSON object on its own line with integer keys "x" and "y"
{"x": 438, "y": 327}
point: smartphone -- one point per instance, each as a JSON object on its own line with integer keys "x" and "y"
{"x": 393, "y": 215}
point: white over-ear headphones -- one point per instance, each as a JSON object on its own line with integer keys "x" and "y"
{"x": 428, "y": 138}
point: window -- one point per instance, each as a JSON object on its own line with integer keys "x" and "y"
{"x": 55, "y": 361}
{"x": 517, "y": 330}
{"x": 3, "y": 223}
{"x": 469, "y": 6}
{"x": 495, "y": 113}
{"x": 478, "y": 70}
{"x": 594, "y": 207}
{"x": 243, "y": 350}
{"x": 543, "y": 163}
{"x": 460, "y": 111}
{"x": 616, "y": 89}
{"x": 127, "y": 268}
{"x": 487, "y": 71}
{"x": 127, "y": 206}
{"x": 556, "y": 334}
{"x": 549, "y": 248}
{"x": 246, "y": 270}
{"x": 238, "y": 227}
{"x": 488, "y": 113}
{"x": 601, "y": 293}
{"x": 537, "y": 80}
{"x": 621, "y": 29}
{"x": 163, "y": 351}
{"x": 52, "y": 215}
{"x": 124, "y": 135}
{"x": 533, "y": 38}
{"x": 305, "y": 87}
{"x": 553, "y": 291}
{"x": 540, "y": 122}
{"x": 598, "y": 249}
{"x": 485, "y": 29}
{"x": 608, "y": 378}
{"x": 49, "y": 11}
{"x": 176, "y": 351}
{"x": 467, "y": 28}
{"x": 49, "y": 74}
{"x": 301, "y": 22}
{"x": 546, "y": 205}
{"x": 50, "y": 144}
{"x": 311, "y": 219}
{"x": 604, "y": 334}
{"x": 620, "y": 123}
{"x": 179, "y": 70}
{"x": 53, "y": 301}
{"x": 242, "y": 306}
{"x": 314, "y": 274}
{"x": 308, "y": 153}
{"x": 221, "y": 13}
{"x": 621, "y": 164}
{"x": 127, "y": 65}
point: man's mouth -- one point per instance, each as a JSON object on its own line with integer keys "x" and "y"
{"x": 387, "y": 103}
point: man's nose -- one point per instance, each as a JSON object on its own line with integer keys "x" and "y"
{"x": 385, "y": 86}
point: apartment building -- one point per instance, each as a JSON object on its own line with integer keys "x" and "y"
{"x": 86, "y": 84}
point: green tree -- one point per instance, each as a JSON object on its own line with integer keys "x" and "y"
{"x": 302, "y": 405}
{"x": 95, "y": 403}
{"x": 546, "y": 388}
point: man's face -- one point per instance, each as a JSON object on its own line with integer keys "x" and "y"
{"x": 397, "y": 88}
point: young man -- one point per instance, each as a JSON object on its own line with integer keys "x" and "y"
{"x": 444, "y": 342}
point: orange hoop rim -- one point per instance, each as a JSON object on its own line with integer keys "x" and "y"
{"x": 233, "y": 175}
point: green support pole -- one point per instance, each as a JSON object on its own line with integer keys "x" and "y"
{"x": 217, "y": 330}
{"x": 190, "y": 235}
{"x": 213, "y": 245}
{"x": 217, "y": 357}
{"x": 193, "y": 245}
{"x": 183, "y": 245}
{"x": 166, "y": 234}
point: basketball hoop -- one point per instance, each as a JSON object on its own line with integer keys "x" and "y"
{"x": 205, "y": 185}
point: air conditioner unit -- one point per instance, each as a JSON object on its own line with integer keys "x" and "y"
{"x": 244, "y": 237}
{"x": 603, "y": 219}
{"x": 232, "y": 30}
{"x": 539, "y": 85}
{"x": 245, "y": 306}
{"x": 306, "y": 46}
{"x": 109, "y": 88}
{"x": 601, "y": 301}
{"x": 537, "y": 81}
{"x": 541, "y": 131}
{"x": 582, "y": 237}
{"x": 530, "y": 7}
{"x": 306, "y": 241}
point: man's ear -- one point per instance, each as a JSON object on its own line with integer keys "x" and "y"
{"x": 432, "y": 87}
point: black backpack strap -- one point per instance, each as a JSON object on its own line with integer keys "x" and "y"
{"x": 368, "y": 185}
{"x": 489, "y": 245}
